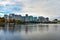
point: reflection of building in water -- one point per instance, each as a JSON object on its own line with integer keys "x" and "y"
{"x": 55, "y": 27}
{"x": 30, "y": 28}
{"x": 17, "y": 28}
{"x": 43, "y": 27}
{"x": 35, "y": 28}
{"x": 9, "y": 27}
{"x": 27, "y": 28}
{"x": 12, "y": 28}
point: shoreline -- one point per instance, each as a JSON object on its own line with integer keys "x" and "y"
{"x": 33, "y": 23}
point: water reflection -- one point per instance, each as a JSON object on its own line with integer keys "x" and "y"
{"x": 29, "y": 31}
{"x": 29, "y": 28}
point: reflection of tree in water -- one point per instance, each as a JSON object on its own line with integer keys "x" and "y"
{"x": 12, "y": 28}
{"x": 9, "y": 27}
{"x": 2, "y": 25}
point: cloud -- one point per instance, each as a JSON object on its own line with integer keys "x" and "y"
{"x": 10, "y": 7}
{"x": 1, "y": 15}
{"x": 43, "y": 7}
{"x": 47, "y": 8}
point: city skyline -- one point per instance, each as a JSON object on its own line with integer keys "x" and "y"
{"x": 26, "y": 18}
{"x": 46, "y": 8}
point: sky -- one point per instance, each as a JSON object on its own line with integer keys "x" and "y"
{"x": 46, "y": 8}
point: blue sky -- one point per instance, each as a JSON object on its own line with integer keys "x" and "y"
{"x": 46, "y": 8}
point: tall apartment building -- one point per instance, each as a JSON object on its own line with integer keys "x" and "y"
{"x": 26, "y": 18}
{"x": 41, "y": 19}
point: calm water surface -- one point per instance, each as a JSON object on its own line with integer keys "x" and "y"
{"x": 30, "y": 32}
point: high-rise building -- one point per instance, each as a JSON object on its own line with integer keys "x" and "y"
{"x": 41, "y": 19}
{"x": 35, "y": 19}
{"x": 23, "y": 18}
{"x": 11, "y": 16}
{"x": 47, "y": 19}
{"x": 6, "y": 16}
{"x": 26, "y": 18}
{"x": 30, "y": 18}
{"x": 16, "y": 17}
{"x": 26, "y": 15}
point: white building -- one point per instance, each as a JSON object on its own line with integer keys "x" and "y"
{"x": 6, "y": 16}
{"x": 13, "y": 16}
{"x": 26, "y": 18}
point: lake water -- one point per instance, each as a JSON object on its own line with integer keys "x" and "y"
{"x": 30, "y": 32}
